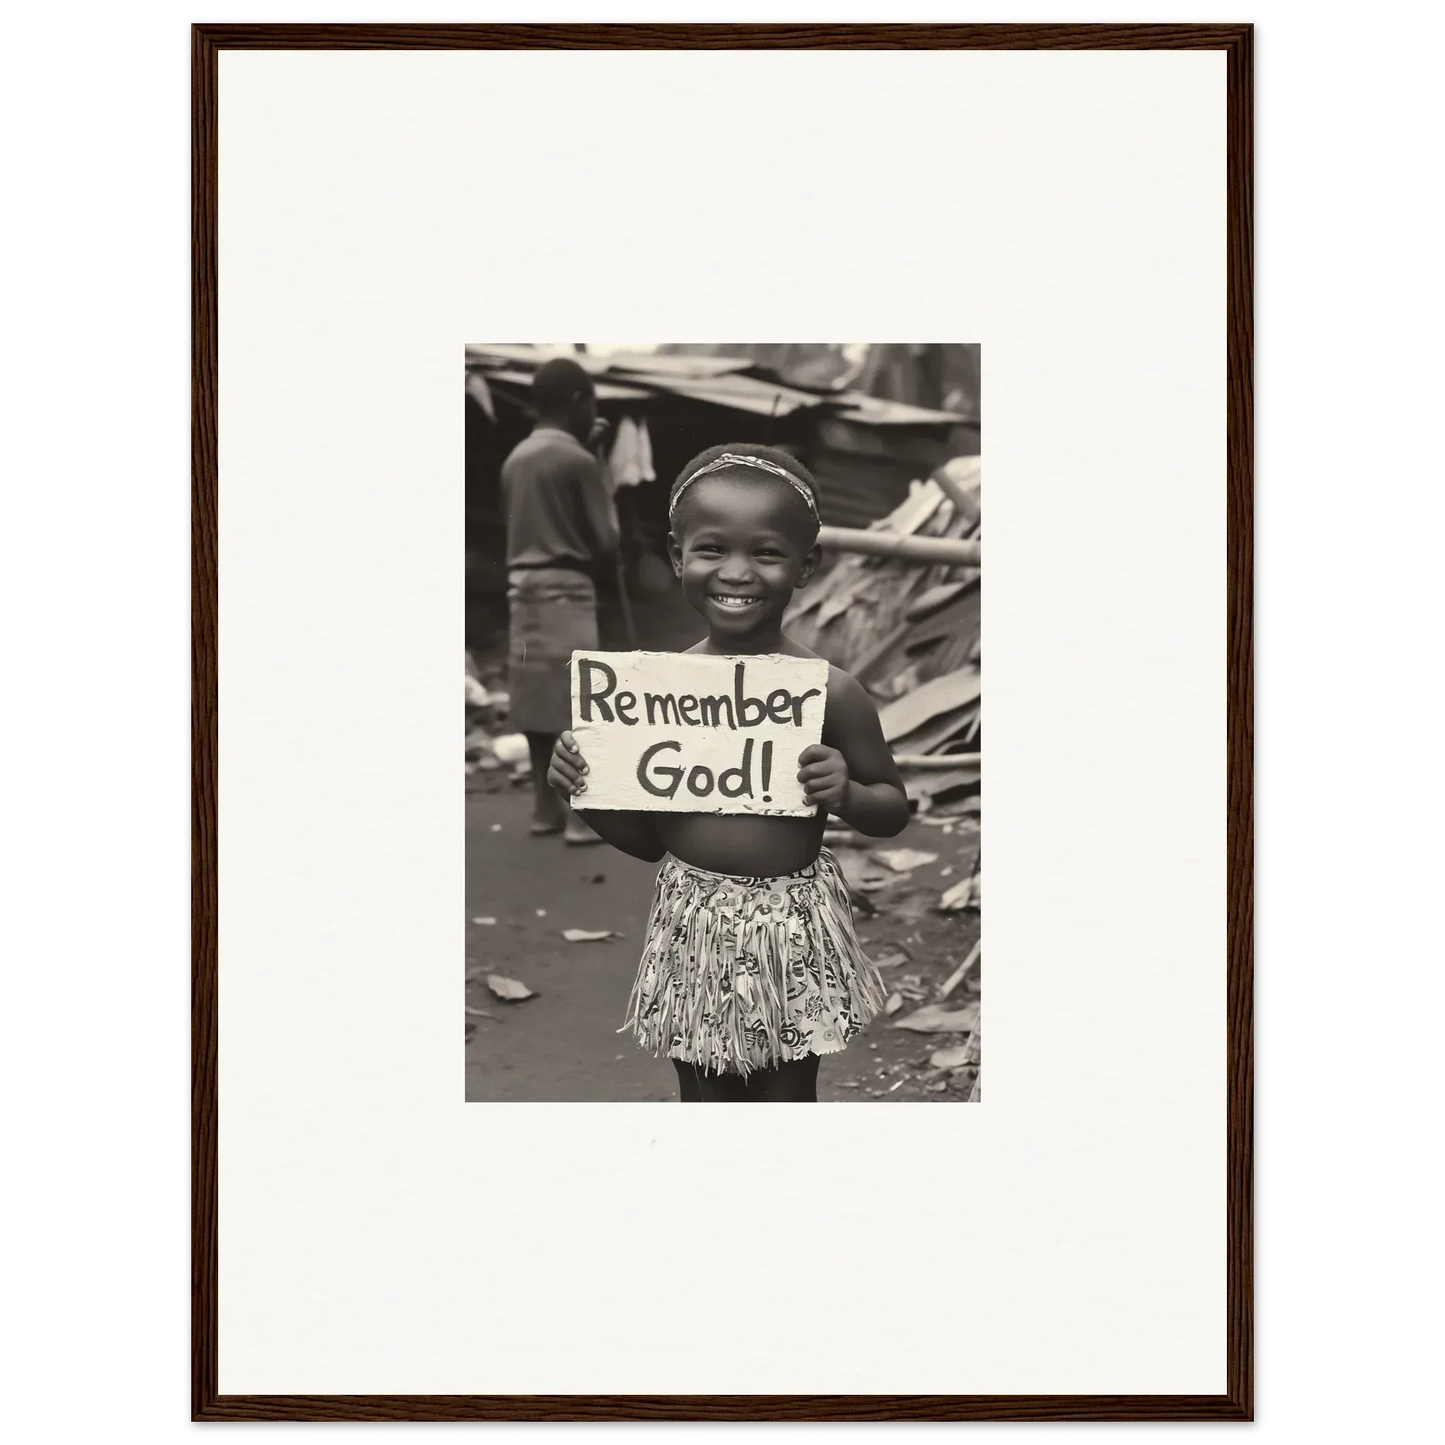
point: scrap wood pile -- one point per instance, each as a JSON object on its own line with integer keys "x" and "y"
{"x": 909, "y": 632}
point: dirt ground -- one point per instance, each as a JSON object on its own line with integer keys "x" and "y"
{"x": 562, "y": 1044}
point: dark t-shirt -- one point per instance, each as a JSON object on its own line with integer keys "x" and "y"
{"x": 558, "y": 511}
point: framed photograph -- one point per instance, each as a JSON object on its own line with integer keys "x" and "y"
{"x": 717, "y": 832}
{"x": 849, "y": 969}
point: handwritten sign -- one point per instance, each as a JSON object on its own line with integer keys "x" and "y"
{"x": 677, "y": 732}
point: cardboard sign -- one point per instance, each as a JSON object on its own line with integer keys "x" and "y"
{"x": 676, "y": 732}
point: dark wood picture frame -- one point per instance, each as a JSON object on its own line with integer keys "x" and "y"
{"x": 1237, "y": 1403}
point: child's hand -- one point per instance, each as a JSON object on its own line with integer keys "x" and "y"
{"x": 823, "y": 772}
{"x": 568, "y": 766}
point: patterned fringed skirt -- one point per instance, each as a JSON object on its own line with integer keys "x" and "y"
{"x": 739, "y": 973}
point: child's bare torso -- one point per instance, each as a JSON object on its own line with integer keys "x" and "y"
{"x": 737, "y": 843}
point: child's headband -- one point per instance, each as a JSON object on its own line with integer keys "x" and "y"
{"x": 735, "y": 459}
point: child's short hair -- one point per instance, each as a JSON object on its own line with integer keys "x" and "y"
{"x": 783, "y": 461}
{"x": 556, "y": 382}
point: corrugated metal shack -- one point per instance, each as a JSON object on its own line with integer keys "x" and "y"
{"x": 865, "y": 454}
{"x": 867, "y": 421}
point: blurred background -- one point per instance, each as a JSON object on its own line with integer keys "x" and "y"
{"x": 891, "y": 432}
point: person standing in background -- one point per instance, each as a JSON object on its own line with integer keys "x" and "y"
{"x": 561, "y": 536}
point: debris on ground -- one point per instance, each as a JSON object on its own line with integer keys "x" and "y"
{"x": 975, "y": 1043}
{"x": 892, "y": 1004}
{"x": 963, "y": 894}
{"x": 963, "y": 1063}
{"x": 479, "y": 1013}
{"x": 509, "y": 989}
{"x": 510, "y": 751}
{"x": 861, "y": 873}
{"x": 511, "y": 748}
{"x": 486, "y": 716}
{"x": 485, "y": 922}
{"x": 950, "y": 1058}
{"x": 933, "y": 1019}
{"x": 909, "y": 907}
{"x": 958, "y": 975}
{"x": 902, "y": 860}
{"x": 589, "y": 935}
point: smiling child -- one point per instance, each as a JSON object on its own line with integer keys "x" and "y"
{"x": 751, "y": 968}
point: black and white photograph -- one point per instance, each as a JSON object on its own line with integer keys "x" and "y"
{"x": 723, "y": 722}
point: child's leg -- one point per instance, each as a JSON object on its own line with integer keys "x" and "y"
{"x": 549, "y": 812}
{"x": 792, "y": 1083}
{"x": 687, "y": 1087}
{"x": 711, "y": 1088}
{"x": 795, "y": 1083}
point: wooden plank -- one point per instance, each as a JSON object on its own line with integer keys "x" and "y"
{"x": 944, "y": 694}
{"x": 947, "y": 550}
